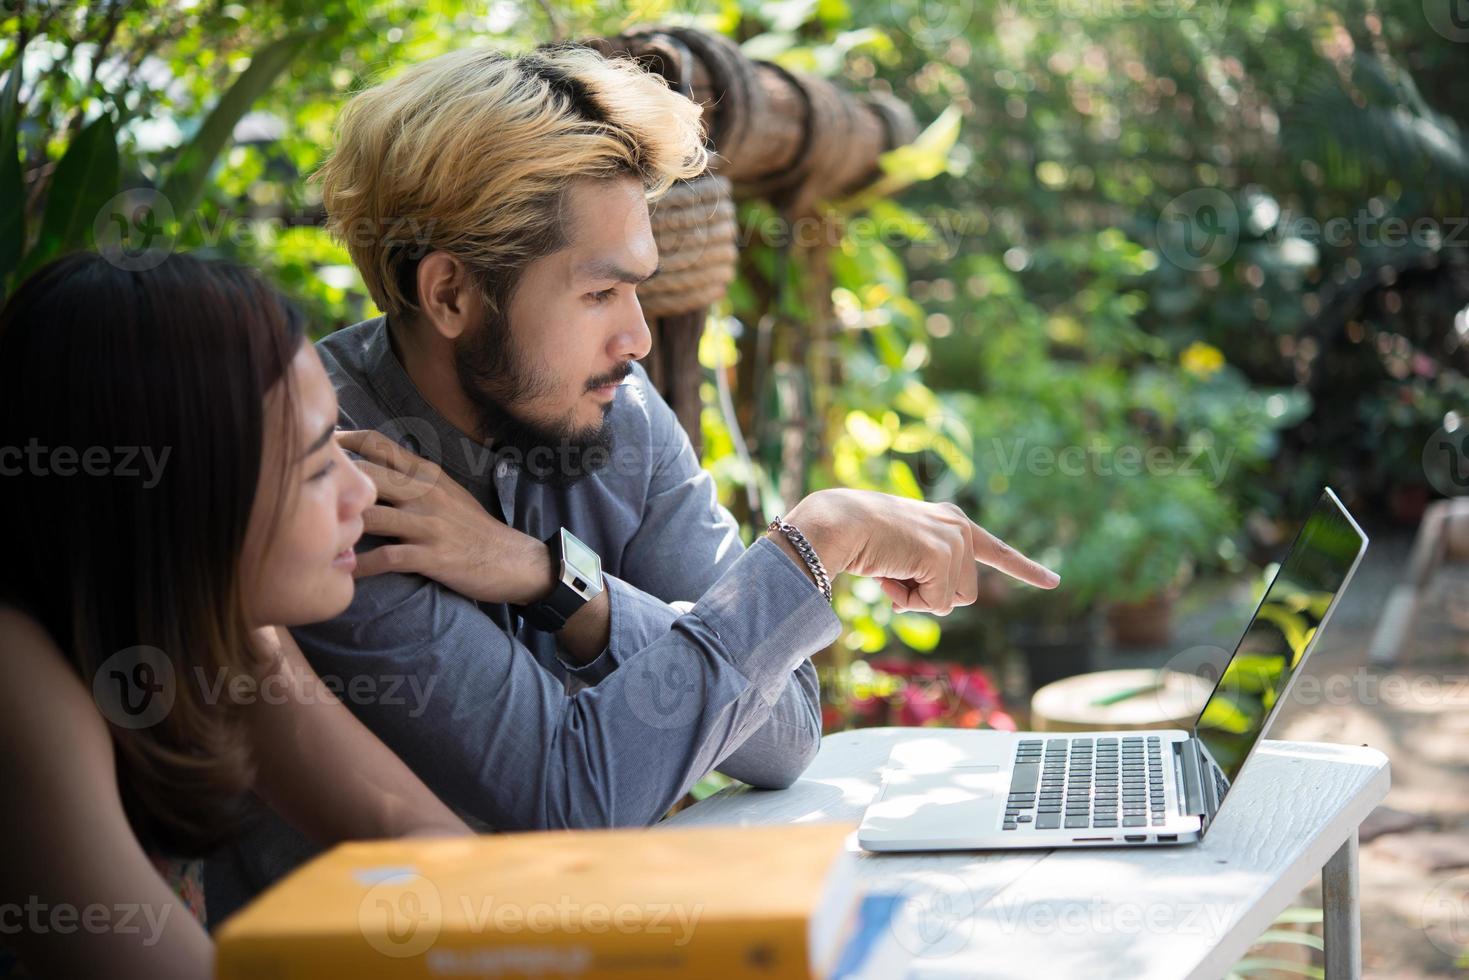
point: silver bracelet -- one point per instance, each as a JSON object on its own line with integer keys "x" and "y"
{"x": 807, "y": 553}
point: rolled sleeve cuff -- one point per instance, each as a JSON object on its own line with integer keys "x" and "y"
{"x": 768, "y": 616}
{"x": 634, "y": 620}
{"x": 592, "y": 672}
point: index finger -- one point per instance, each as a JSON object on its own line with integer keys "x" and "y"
{"x": 373, "y": 445}
{"x": 991, "y": 551}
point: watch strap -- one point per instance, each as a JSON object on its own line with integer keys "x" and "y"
{"x": 549, "y": 615}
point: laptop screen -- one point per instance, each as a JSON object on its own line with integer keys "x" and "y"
{"x": 1292, "y": 609}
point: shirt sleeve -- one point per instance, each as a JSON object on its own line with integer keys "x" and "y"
{"x": 783, "y": 741}
{"x": 495, "y": 734}
{"x": 684, "y": 541}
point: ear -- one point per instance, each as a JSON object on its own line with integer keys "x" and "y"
{"x": 449, "y": 300}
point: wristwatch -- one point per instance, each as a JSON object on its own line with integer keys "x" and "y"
{"x": 578, "y": 572}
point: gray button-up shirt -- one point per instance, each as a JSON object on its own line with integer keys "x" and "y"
{"x": 505, "y": 730}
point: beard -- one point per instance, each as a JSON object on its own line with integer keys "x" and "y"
{"x": 494, "y": 377}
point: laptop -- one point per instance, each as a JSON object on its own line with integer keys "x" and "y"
{"x": 1117, "y": 788}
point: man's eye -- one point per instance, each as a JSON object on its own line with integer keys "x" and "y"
{"x": 604, "y": 295}
{"x": 321, "y": 474}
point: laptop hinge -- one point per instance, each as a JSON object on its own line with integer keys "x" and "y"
{"x": 1189, "y": 766}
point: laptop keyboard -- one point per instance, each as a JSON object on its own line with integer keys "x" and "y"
{"x": 1079, "y": 782}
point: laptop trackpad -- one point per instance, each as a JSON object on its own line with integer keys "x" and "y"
{"x": 951, "y": 801}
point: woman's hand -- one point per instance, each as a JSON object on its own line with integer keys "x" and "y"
{"x": 442, "y": 531}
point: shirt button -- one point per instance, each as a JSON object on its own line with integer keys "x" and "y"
{"x": 502, "y": 469}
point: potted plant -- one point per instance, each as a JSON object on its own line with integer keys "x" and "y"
{"x": 1160, "y": 528}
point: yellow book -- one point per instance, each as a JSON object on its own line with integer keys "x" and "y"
{"x": 727, "y": 902}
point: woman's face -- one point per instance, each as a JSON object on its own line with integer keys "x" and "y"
{"x": 300, "y": 571}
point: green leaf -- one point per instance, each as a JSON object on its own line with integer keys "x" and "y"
{"x": 893, "y": 216}
{"x": 12, "y": 188}
{"x": 709, "y": 785}
{"x": 917, "y": 631}
{"x": 1291, "y": 936}
{"x": 1224, "y": 714}
{"x": 186, "y": 178}
{"x": 928, "y": 155}
{"x": 85, "y": 180}
{"x": 901, "y": 480}
{"x": 1266, "y": 963}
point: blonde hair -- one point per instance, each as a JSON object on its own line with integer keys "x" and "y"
{"x": 472, "y": 154}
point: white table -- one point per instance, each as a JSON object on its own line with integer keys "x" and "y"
{"x": 1186, "y": 911}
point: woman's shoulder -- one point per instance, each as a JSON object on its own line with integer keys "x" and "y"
{"x": 44, "y": 706}
{"x": 28, "y": 649}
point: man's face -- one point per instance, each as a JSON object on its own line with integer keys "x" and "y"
{"x": 544, "y": 383}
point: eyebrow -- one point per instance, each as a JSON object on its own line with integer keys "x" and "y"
{"x": 321, "y": 440}
{"x": 603, "y": 269}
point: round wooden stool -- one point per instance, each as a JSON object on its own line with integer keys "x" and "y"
{"x": 1088, "y": 702}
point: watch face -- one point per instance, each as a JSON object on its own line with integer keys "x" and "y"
{"x": 583, "y": 563}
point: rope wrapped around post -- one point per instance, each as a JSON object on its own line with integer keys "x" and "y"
{"x": 788, "y": 138}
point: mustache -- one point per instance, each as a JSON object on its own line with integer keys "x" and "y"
{"x": 615, "y": 378}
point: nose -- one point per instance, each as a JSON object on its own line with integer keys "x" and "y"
{"x": 359, "y": 493}
{"x": 632, "y": 340}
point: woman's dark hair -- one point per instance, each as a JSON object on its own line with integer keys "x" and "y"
{"x": 132, "y": 425}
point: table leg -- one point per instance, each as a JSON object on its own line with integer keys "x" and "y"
{"x": 1341, "y": 914}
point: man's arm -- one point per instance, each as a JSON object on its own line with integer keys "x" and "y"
{"x": 685, "y": 541}
{"x": 777, "y": 748}
{"x": 495, "y": 734}
{"x": 444, "y": 533}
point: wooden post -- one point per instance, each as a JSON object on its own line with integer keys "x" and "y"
{"x": 792, "y": 139}
{"x": 1341, "y": 924}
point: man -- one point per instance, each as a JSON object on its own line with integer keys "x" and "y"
{"x": 507, "y": 358}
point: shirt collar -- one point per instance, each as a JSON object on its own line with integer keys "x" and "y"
{"x": 418, "y": 424}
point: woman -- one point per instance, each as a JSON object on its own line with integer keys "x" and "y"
{"x": 172, "y": 497}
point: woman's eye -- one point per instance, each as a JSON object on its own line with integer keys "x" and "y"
{"x": 604, "y": 295}
{"x": 322, "y": 473}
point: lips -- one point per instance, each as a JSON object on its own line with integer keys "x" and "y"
{"x": 347, "y": 557}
